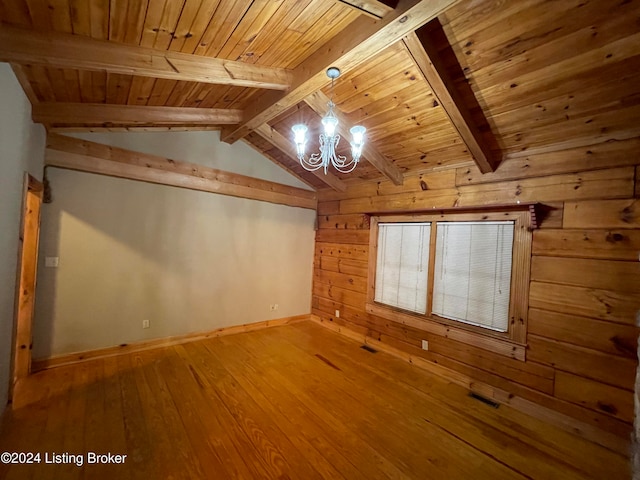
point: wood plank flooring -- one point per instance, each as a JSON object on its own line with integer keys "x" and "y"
{"x": 291, "y": 402}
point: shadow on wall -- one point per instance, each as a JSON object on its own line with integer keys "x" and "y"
{"x": 188, "y": 261}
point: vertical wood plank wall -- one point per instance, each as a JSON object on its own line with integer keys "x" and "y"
{"x": 585, "y": 275}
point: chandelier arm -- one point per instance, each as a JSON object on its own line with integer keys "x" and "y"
{"x": 316, "y": 161}
{"x": 308, "y": 165}
{"x": 340, "y": 162}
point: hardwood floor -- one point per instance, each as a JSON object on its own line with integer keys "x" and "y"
{"x": 292, "y": 402}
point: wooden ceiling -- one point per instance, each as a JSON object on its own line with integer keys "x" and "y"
{"x": 438, "y": 83}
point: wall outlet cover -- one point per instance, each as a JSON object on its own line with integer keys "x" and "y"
{"x": 51, "y": 262}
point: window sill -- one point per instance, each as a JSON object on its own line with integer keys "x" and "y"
{"x": 501, "y": 346}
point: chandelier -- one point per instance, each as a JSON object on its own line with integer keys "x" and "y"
{"x": 329, "y": 141}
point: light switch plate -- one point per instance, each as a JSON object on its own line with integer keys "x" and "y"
{"x": 51, "y": 261}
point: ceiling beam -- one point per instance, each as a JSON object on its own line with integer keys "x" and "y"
{"x": 318, "y": 102}
{"x": 132, "y": 128}
{"x": 99, "y": 114}
{"x": 91, "y": 157}
{"x": 422, "y": 47}
{"x": 364, "y": 39}
{"x": 52, "y": 49}
{"x": 286, "y": 147}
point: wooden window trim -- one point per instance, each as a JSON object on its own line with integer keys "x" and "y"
{"x": 511, "y": 343}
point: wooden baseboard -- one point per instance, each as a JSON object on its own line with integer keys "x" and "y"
{"x": 71, "y": 358}
{"x": 589, "y": 432}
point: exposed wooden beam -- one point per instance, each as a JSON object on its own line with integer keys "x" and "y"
{"x": 73, "y": 51}
{"x": 133, "y": 128}
{"x": 286, "y": 147}
{"x": 366, "y": 38}
{"x": 85, "y": 156}
{"x": 99, "y": 114}
{"x": 318, "y": 103}
{"x": 427, "y": 58}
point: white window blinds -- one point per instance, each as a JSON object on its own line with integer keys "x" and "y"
{"x": 402, "y": 264}
{"x": 472, "y": 276}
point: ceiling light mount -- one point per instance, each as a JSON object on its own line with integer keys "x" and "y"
{"x": 329, "y": 140}
{"x": 333, "y": 72}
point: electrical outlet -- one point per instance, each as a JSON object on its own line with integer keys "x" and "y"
{"x": 274, "y": 307}
{"x": 337, "y": 313}
{"x": 145, "y": 323}
{"x": 425, "y": 345}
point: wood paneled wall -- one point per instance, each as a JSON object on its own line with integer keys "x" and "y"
{"x": 585, "y": 275}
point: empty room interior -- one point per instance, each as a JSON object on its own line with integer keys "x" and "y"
{"x": 319, "y": 239}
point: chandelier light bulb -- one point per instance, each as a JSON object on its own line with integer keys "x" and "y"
{"x": 330, "y": 123}
{"x": 357, "y": 134}
{"x": 300, "y": 138}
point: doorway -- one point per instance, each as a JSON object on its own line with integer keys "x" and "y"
{"x": 26, "y": 280}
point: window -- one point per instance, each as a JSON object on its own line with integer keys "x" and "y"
{"x": 403, "y": 259}
{"x": 463, "y": 275}
{"x": 473, "y": 273}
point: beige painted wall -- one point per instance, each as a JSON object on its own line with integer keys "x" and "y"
{"x": 21, "y": 149}
{"x": 187, "y": 261}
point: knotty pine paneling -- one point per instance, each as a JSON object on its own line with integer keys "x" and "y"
{"x": 329, "y": 207}
{"x": 419, "y": 201}
{"x": 619, "y": 307}
{"x": 593, "y": 157}
{"x": 351, "y": 282}
{"x": 353, "y": 252}
{"x": 602, "y": 214}
{"x": 340, "y": 295}
{"x": 357, "y": 221}
{"x": 342, "y": 265}
{"x": 412, "y": 184}
{"x": 600, "y": 335}
{"x": 595, "y": 395}
{"x": 357, "y": 237}
{"x": 612, "y": 244}
{"x": 601, "y": 274}
{"x": 583, "y": 361}
{"x": 585, "y": 278}
{"x": 610, "y": 183}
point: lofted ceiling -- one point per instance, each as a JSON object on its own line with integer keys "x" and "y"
{"x": 438, "y": 84}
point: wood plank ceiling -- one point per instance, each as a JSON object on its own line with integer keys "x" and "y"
{"x": 438, "y": 84}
